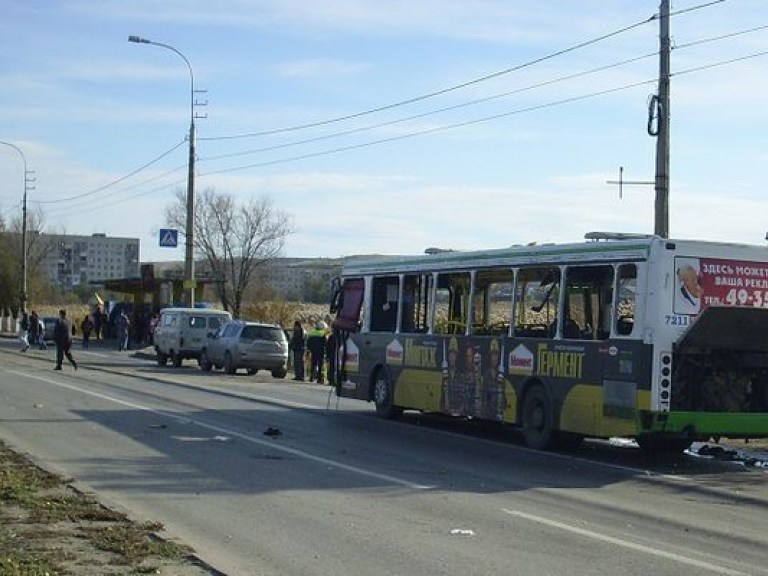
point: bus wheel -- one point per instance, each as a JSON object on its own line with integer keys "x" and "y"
{"x": 176, "y": 359}
{"x": 162, "y": 359}
{"x": 383, "y": 396}
{"x": 537, "y": 419}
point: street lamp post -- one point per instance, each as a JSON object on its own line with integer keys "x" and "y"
{"x": 23, "y": 296}
{"x": 189, "y": 260}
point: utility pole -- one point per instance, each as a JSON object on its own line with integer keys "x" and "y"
{"x": 189, "y": 252}
{"x": 661, "y": 104}
{"x": 27, "y": 181}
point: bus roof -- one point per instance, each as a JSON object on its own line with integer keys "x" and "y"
{"x": 613, "y": 247}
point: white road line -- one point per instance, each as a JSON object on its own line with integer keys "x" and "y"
{"x": 89, "y": 353}
{"x": 626, "y": 543}
{"x": 265, "y": 443}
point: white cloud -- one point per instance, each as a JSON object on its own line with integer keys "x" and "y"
{"x": 322, "y": 67}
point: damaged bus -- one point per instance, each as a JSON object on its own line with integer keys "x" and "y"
{"x": 664, "y": 341}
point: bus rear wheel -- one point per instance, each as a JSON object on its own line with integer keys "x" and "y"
{"x": 384, "y": 397}
{"x": 537, "y": 419}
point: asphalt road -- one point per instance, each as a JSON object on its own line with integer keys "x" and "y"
{"x": 340, "y": 492}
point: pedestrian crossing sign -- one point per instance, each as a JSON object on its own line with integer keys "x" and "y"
{"x": 169, "y": 238}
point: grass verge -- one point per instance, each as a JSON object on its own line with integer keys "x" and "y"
{"x": 48, "y": 528}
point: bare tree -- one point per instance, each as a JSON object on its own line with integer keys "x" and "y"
{"x": 233, "y": 240}
{"x": 39, "y": 246}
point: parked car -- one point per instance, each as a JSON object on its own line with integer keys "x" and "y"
{"x": 250, "y": 345}
{"x": 181, "y": 332}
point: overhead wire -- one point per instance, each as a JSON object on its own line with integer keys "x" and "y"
{"x": 479, "y": 120}
{"x": 114, "y": 182}
{"x": 455, "y": 87}
{"x": 366, "y": 112}
{"x": 433, "y": 129}
{"x": 413, "y": 100}
{"x": 440, "y": 92}
{"x": 485, "y": 119}
{"x": 430, "y": 112}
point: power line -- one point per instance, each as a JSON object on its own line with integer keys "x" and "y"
{"x": 437, "y": 92}
{"x": 412, "y": 100}
{"x": 433, "y": 130}
{"x": 436, "y": 129}
{"x": 477, "y": 120}
{"x": 453, "y": 88}
{"x": 95, "y": 207}
{"x": 114, "y": 182}
{"x": 430, "y": 112}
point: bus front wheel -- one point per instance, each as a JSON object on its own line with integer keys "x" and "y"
{"x": 384, "y": 397}
{"x": 537, "y": 419}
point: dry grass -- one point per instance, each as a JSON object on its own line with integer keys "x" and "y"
{"x": 47, "y": 528}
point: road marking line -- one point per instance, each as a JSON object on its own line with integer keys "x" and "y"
{"x": 266, "y": 443}
{"x": 89, "y": 353}
{"x": 625, "y": 543}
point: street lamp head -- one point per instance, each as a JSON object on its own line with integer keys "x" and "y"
{"x": 138, "y": 40}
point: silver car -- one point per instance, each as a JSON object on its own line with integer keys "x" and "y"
{"x": 250, "y": 345}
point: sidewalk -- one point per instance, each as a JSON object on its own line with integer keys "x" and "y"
{"x": 146, "y": 352}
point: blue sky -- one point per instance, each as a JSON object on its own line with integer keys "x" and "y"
{"x": 521, "y": 157}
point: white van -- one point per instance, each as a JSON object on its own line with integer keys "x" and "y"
{"x": 181, "y": 332}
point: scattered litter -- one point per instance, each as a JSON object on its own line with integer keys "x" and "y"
{"x": 729, "y": 455}
{"x": 159, "y": 426}
{"x": 268, "y": 457}
{"x": 462, "y": 532}
{"x": 38, "y": 405}
{"x": 717, "y": 452}
{"x": 272, "y": 431}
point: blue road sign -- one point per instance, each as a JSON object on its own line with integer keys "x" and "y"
{"x": 169, "y": 238}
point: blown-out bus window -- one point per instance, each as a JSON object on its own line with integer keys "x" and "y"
{"x": 588, "y": 303}
{"x": 492, "y": 301}
{"x": 536, "y": 301}
{"x": 414, "y": 314}
{"x": 384, "y": 298}
{"x": 452, "y": 303}
{"x": 626, "y": 288}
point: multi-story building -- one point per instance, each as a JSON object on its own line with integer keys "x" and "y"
{"x": 77, "y": 260}
{"x": 74, "y": 260}
{"x": 297, "y": 278}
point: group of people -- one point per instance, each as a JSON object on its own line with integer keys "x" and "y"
{"x": 33, "y": 333}
{"x": 320, "y": 344}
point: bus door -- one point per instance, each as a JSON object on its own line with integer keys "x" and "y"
{"x": 602, "y": 399}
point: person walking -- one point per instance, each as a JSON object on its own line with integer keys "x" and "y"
{"x": 24, "y": 331}
{"x": 41, "y": 334}
{"x": 86, "y": 326}
{"x": 97, "y": 323}
{"x": 122, "y": 324}
{"x": 316, "y": 347}
{"x": 34, "y": 333}
{"x": 297, "y": 345}
{"x": 62, "y": 336}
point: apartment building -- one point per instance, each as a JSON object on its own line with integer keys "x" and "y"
{"x": 74, "y": 260}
